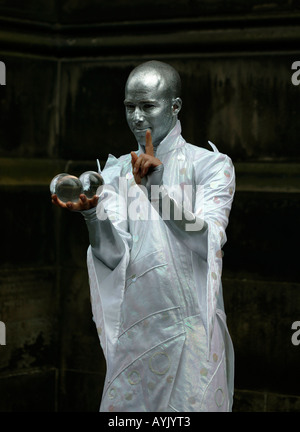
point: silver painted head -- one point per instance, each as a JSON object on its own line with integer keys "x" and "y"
{"x": 152, "y": 100}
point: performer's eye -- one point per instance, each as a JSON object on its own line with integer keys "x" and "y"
{"x": 148, "y": 106}
{"x": 129, "y": 107}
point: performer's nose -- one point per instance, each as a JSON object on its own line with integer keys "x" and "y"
{"x": 138, "y": 115}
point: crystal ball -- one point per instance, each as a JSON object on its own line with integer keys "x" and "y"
{"x": 68, "y": 188}
{"x": 54, "y": 181}
{"x": 90, "y": 181}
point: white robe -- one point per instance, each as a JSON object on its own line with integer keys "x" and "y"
{"x": 156, "y": 288}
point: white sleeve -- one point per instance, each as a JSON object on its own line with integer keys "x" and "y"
{"x": 214, "y": 190}
{"x": 107, "y": 223}
{"x": 106, "y": 242}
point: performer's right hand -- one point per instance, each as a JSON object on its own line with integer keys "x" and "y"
{"x": 84, "y": 203}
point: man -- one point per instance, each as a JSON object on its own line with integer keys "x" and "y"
{"x": 155, "y": 260}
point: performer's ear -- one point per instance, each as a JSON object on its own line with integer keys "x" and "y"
{"x": 176, "y": 105}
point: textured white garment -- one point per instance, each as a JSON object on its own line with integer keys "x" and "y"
{"x": 159, "y": 310}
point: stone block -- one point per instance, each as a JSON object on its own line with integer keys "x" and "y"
{"x": 283, "y": 403}
{"x": 260, "y": 316}
{"x": 31, "y": 391}
{"x": 29, "y": 307}
{"x": 72, "y": 12}
{"x": 80, "y": 391}
{"x": 28, "y": 107}
{"x": 248, "y": 401}
{"x": 263, "y": 236}
{"x": 236, "y": 101}
{"x": 29, "y": 227}
{"x": 101, "y": 128}
{"x": 36, "y": 10}
{"x": 80, "y": 346}
{"x": 252, "y": 401}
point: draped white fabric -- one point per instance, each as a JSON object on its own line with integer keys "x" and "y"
{"x": 155, "y": 282}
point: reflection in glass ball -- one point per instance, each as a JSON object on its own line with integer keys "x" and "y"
{"x": 68, "y": 188}
{"x": 54, "y": 181}
{"x": 90, "y": 181}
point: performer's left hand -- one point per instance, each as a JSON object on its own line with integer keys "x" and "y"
{"x": 83, "y": 203}
{"x": 144, "y": 163}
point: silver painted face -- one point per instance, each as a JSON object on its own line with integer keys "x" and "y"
{"x": 149, "y": 106}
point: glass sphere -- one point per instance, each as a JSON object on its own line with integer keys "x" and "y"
{"x": 54, "y": 181}
{"x": 68, "y": 188}
{"x": 90, "y": 181}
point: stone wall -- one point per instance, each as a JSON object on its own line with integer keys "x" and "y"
{"x": 62, "y": 107}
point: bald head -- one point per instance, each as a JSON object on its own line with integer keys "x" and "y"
{"x": 159, "y": 74}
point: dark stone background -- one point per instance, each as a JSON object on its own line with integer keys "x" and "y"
{"x": 62, "y": 107}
